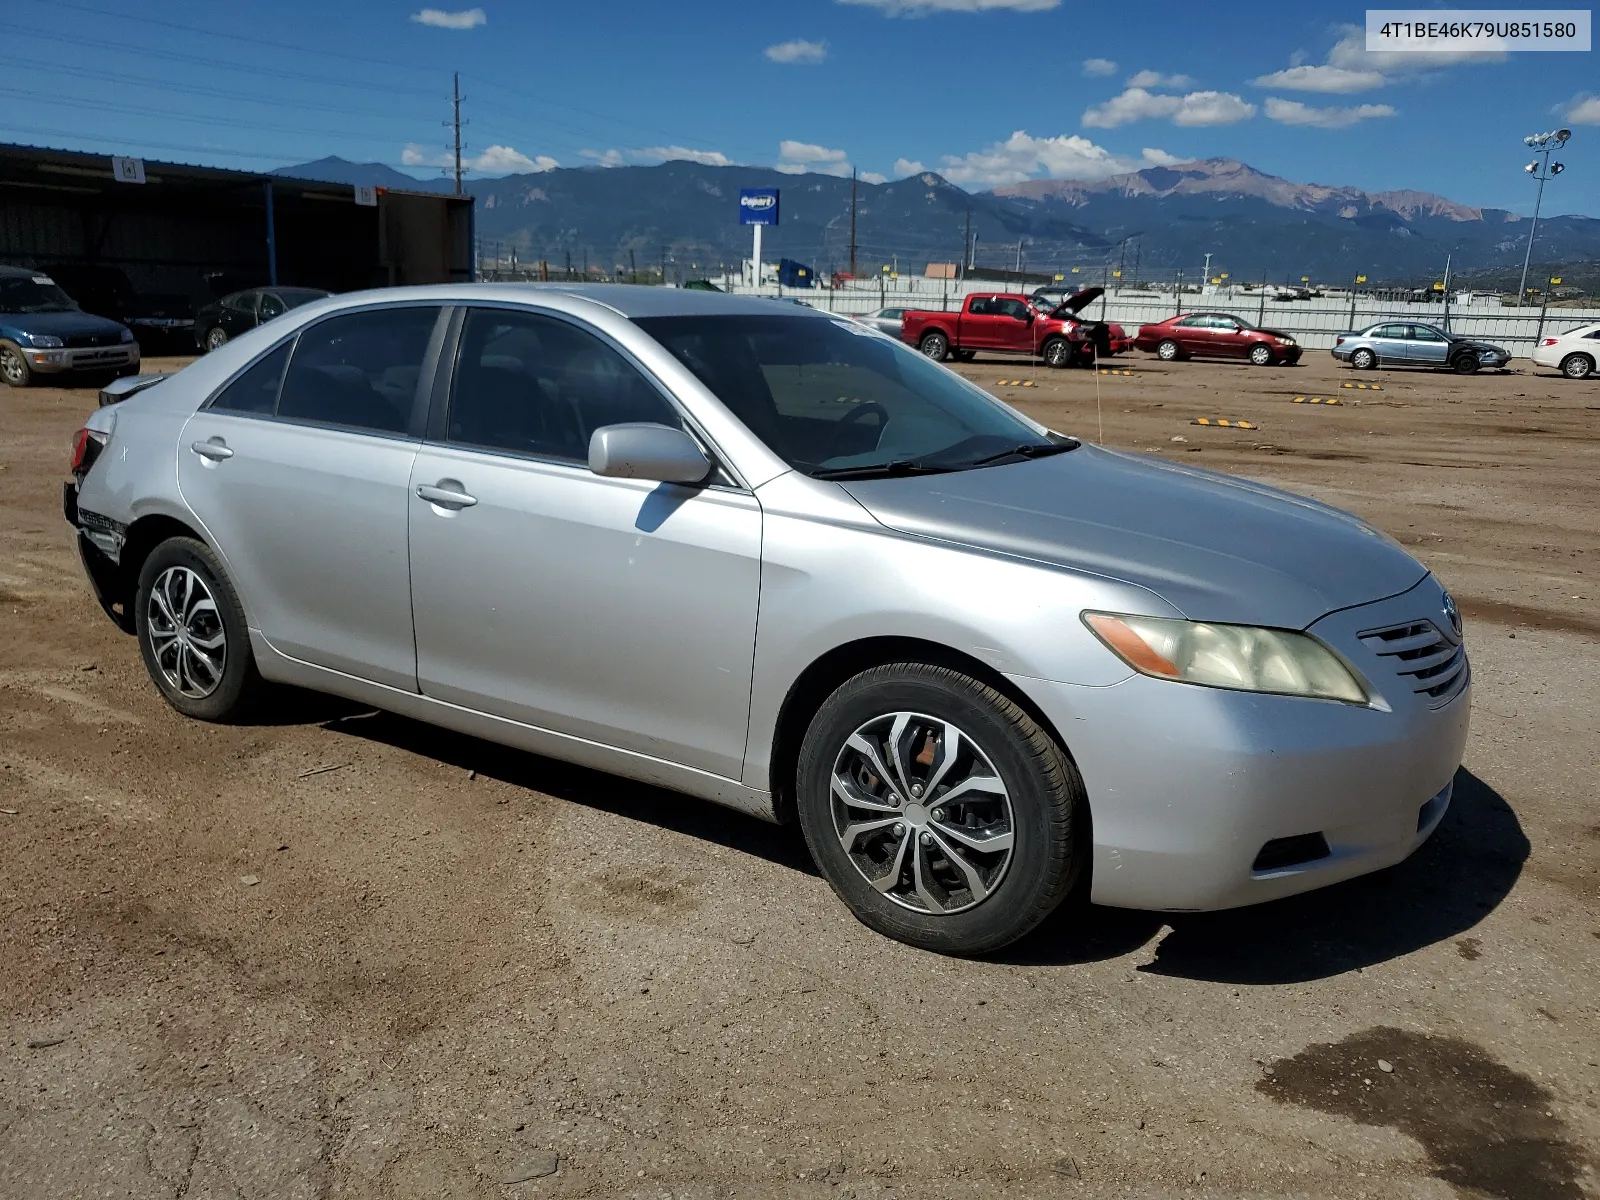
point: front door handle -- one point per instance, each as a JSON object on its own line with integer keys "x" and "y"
{"x": 215, "y": 449}
{"x": 446, "y": 493}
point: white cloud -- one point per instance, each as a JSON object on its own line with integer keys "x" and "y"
{"x": 469, "y": 18}
{"x": 1195, "y": 108}
{"x": 920, "y": 8}
{"x": 1332, "y": 80}
{"x": 1023, "y": 156}
{"x": 873, "y": 177}
{"x": 496, "y": 160}
{"x": 651, "y": 155}
{"x": 797, "y": 51}
{"x": 1351, "y": 67}
{"x": 1150, "y": 79}
{"x": 799, "y": 157}
{"x": 1094, "y": 67}
{"x": 1292, "y": 112}
{"x": 1584, "y": 110}
{"x": 908, "y": 166}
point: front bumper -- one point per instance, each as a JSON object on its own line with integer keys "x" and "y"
{"x": 1290, "y": 354}
{"x": 90, "y": 358}
{"x": 1187, "y": 785}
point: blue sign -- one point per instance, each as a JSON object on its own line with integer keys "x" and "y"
{"x": 758, "y": 206}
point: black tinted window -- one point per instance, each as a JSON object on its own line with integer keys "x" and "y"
{"x": 359, "y": 370}
{"x": 538, "y": 385}
{"x": 271, "y": 306}
{"x": 256, "y": 391}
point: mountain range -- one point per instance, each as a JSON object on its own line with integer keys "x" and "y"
{"x": 1151, "y": 223}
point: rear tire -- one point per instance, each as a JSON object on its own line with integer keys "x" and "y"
{"x": 1364, "y": 359}
{"x": 192, "y": 633}
{"x": 1261, "y": 354}
{"x": 1169, "y": 351}
{"x": 14, "y": 369}
{"x": 1465, "y": 364}
{"x": 1577, "y": 366}
{"x": 935, "y": 345}
{"x": 1017, "y": 781}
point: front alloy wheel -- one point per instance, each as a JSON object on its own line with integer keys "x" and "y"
{"x": 921, "y": 813}
{"x": 1058, "y": 353}
{"x": 14, "y": 368}
{"x": 216, "y": 338}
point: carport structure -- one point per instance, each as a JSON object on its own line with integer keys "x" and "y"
{"x": 205, "y": 230}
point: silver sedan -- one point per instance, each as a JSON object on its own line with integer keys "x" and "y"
{"x": 779, "y": 561}
{"x": 884, "y": 320}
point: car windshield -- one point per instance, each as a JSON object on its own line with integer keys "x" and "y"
{"x": 295, "y": 297}
{"x": 833, "y": 399}
{"x": 33, "y": 294}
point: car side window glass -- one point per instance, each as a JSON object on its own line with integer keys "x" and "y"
{"x": 1014, "y": 308}
{"x": 1594, "y": 336}
{"x": 1388, "y": 331}
{"x": 1190, "y": 322}
{"x": 540, "y": 385}
{"x": 1423, "y": 333}
{"x": 360, "y": 369}
{"x": 979, "y": 307}
{"x": 256, "y": 391}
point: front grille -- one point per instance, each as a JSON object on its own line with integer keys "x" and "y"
{"x": 1435, "y": 666}
{"x": 79, "y": 340}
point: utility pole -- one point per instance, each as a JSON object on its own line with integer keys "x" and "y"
{"x": 1206, "y": 277}
{"x": 852, "y": 222}
{"x": 1543, "y": 144}
{"x": 456, "y": 104}
{"x": 1447, "y": 293}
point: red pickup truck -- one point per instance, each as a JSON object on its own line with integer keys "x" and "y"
{"x": 1040, "y": 326}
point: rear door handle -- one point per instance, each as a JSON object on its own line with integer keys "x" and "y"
{"x": 446, "y": 496}
{"x": 216, "y": 449}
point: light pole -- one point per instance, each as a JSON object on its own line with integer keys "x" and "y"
{"x": 1543, "y": 144}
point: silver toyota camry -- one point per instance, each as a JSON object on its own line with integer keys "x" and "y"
{"x": 779, "y": 561}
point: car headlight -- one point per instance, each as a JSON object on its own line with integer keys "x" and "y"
{"x": 127, "y": 334}
{"x": 1287, "y": 341}
{"x": 1243, "y": 657}
{"x": 44, "y": 341}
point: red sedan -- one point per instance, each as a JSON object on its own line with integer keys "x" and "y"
{"x": 1216, "y": 335}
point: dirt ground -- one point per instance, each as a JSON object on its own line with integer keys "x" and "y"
{"x": 340, "y": 954}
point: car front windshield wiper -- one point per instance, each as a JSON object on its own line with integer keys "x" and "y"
{"x": 1026, "y": 450}
{"x": 889, "y": 470}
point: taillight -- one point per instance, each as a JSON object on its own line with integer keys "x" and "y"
{"x": 1338, "y": 341}
{"x": 1549, "y": 341}
{"x": 86, "y": 447}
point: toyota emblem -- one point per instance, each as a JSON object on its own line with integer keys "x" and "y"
{"x": 1452, "y": 614}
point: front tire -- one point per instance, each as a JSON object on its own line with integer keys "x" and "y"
{"x": 1168, "y": 351}
{"x": 935, "y": 345}
{"x": 1465, "y": 364}
{"x": 216, "y": 338}
{"x": 1261, "y": 355}
{"x": 14, "y": 369}
{"x": 939, "y": 811}
{"x": 1577, "y": 366}
{"x": 192, "y": 633}
{"x": 1363, "y": 359}
{"x": 1057, "y": 353}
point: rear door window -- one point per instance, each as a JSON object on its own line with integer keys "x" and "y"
{"x": 256, "y": 391}
{"x": 532, "y": 384}
{"x": 360, "y": 370}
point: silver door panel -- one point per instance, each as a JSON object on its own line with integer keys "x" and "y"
{"x": 617, "y": 611}
{"x": 312, "y": 523}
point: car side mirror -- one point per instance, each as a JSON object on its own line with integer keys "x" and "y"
{"x": 644, "y": 450}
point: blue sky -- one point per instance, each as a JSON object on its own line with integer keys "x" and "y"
{"x": 984, "y": 91}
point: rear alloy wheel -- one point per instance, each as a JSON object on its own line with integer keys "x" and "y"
{"x": 1261, "y": 354}
{"x": 1465, "y": 364}
{"x": 192, "y": 632}
{"x": 1577, "y": 366}
{"x": 938, "y": 810}
{"x": 1058, "y": 353}
{"x": 1167, "y": 351}
{"x": 14, "y": 369}
{"x": 216, "y": 338}
{"x": 1363, "y": 359}
{"x": 935, "y": 345}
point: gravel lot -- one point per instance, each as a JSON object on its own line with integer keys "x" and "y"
{"x": 337, "y": 953}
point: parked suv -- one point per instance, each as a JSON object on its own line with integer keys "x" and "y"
{"x": 42, "y": 332}
{"x": 161, "y": 321}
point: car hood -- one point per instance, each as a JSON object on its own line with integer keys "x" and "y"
{"x": 61, "y": 324}
{"x": 1077, "y": 302}
{"x": 1215, "y": 547}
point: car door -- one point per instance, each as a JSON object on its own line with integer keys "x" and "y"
{"x": 1014, "y": 325}
{"x": 1227, "y": 336}
{"x": 614, "y": 610}
{"x": 1426, "y": 346}
{"x": 299, "y": 469}
{"x": 1189, "y": 333}
{"x": 981, "y": 324}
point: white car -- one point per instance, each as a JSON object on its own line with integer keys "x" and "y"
{"x": 1576, "y": 353}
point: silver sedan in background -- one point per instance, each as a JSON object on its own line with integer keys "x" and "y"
{"x": 1414, "y": 344}
{"x": 780, "y": 561}
{"x": 884, "y": 320}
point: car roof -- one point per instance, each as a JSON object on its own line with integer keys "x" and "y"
{"x": 625, "y": 299}
{"x": 9, "y": 272}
